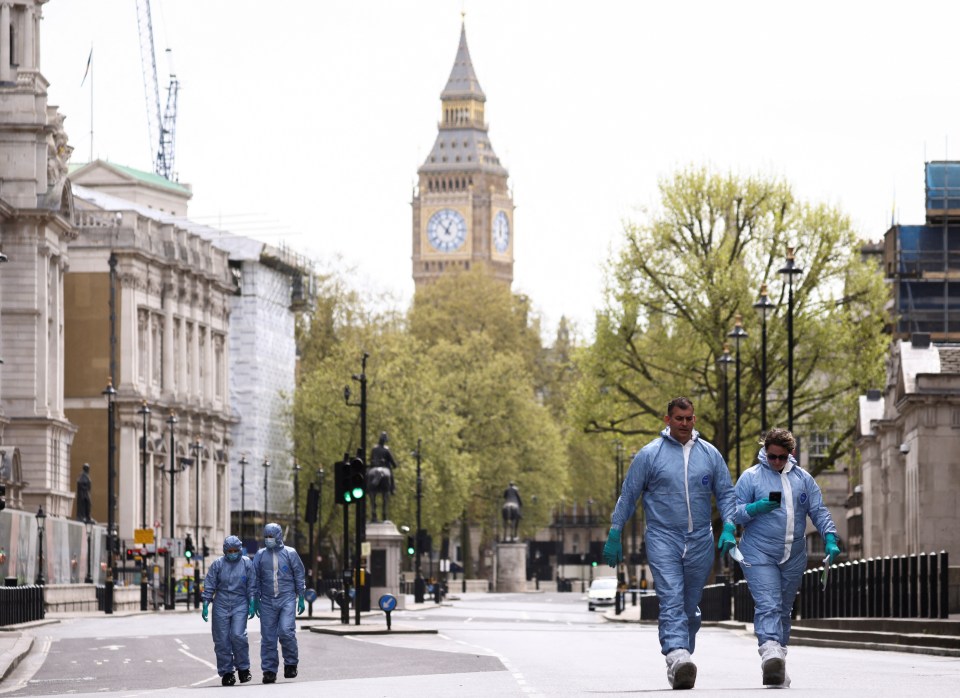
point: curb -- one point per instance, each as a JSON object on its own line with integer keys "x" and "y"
{"x": 12, "y": 657}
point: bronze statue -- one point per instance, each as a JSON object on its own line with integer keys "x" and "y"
{"x": 380, "y": 476}
{"x": 512, "y": 512}
{"x": 83, "y": 494}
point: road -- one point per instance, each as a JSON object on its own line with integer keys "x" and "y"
{"x": 487, "y": 645}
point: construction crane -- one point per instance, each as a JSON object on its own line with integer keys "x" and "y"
{"x": 162, "y": 126}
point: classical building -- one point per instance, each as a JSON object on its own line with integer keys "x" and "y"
{"x": 167, "y": 290}
{"x": 462, "y": 206}
{"x": 35, "y": 229}
{"x": 214, "y": 341}
{"x": 903, "y": 499}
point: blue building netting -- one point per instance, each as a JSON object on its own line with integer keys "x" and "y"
{"x": 943, "y": 185}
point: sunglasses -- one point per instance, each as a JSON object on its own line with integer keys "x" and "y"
{"x": 773, "y": 456}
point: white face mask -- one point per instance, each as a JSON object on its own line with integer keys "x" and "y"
{"x": 270, "y": 542}
{"x": 738, "y": 556}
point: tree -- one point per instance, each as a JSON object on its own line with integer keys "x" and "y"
{"x": 685, "y": 272}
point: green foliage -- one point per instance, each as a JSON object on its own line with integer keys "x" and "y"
{"x": 675, "y": 288}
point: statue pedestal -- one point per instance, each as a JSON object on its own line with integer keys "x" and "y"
{"x": 384, "y": 563}
{"x": 511, "y": 567}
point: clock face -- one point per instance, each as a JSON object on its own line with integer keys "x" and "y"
{"x": 446, "y": 230}
{"x": 501, "y": 232}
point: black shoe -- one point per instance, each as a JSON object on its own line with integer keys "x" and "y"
{"x": 289, "y": 671}
{"x": 228, "y": 679}
{"x": 269, "y": 677}
{"x": 244, "y": 675}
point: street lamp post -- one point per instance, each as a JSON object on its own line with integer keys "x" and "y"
{"x": 41, "y": 526}
{"x": 243, "y": 490}
{"x": 296, "y": 505}
{"x": 790, "y": 269}
{"x": 419, "y": 587}
{"x": 144, "y": 412}
{"x": 319, "y": 539}
{"x": 197, "y": 448}
{"x": 724, "y": 363}
{"x": 763, "y": 307}
{"x": 170, "y": 600}
{"x": 111, "y": 395}
{"x": 266, "y": 482}
{"x": 361, "y": 504}
{"x": 89, "y": 526}
{"x": 737, "y": 334}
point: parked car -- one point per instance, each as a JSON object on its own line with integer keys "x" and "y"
{"x": 602, "y": 592}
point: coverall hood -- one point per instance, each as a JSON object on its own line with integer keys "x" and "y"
{"x": 273, "y": 529}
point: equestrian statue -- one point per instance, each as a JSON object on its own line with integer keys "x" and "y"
{"x": 380, "y": 476}
{"x": 512, "y": 512}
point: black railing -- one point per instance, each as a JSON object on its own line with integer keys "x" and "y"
{"x": 906, "y": 586}
{"x": 743, "y": 608}
{"x": 715, "y": 602}
{"x": 21, "y": 604}
{"x": 649, "y": 607}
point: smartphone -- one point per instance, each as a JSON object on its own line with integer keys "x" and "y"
{"x": 775, "y": 496}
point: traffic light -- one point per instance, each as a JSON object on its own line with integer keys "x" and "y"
{"x": 410, "y": 547}
{"x": 357, "y": 481}
{"x": 313, "y": 504}
{"x": 188, "y": 548}
{"x": 3, "y": 497}
{"x": 340, "y": 481}
{"x": 206, "y": 550}
{"x": 132, "y": 553}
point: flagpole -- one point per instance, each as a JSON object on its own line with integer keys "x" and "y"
{"x": 91, "y": 104}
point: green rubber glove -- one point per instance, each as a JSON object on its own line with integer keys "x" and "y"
{"x": 762, "y": 506}
{"x": 256, "y": 607}
{"x": 612, "y": 549}
{"x": 727, "y": 539}
{"x": 832, "y": 548}
{"x": 300, "y": 606}
{"x": 205, "y": 611}
{"x": 252, "y": 608}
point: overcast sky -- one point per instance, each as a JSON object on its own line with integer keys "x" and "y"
{"x": 304, "y": 122}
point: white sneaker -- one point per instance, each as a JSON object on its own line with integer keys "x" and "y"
{"x": 681, "y": 671}
{"x": 772, "y": 663}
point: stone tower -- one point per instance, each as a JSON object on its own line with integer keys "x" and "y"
{"x": 462, "y": 208}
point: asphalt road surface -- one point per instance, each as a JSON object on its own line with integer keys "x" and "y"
{"x": 487, "y": 645}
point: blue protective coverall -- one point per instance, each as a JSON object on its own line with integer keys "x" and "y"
{"x": 280, "y": 580}
{"x": 773, "y": 545}
{"x": 230, "y": 585}
{"x": 677, "y": 491}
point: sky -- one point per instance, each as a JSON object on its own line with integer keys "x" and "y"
{"x": 304, "y": 122}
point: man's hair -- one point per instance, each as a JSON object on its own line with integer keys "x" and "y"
{"x": 682, "y": 403}
{"x": 780, "y": 437}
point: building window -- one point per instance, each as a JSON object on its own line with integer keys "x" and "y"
{"x": 818, "y": 445}
{"x": 218, "y": 376}
{"x": 143, "y": 348}
{"x": 156, "y": 347}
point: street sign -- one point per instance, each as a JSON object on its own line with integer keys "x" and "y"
{"x": 310, "y": 595}
{"x": 168, "y": 543}
{"x": 143, "y": 536}
{"x": 365, "y": 548}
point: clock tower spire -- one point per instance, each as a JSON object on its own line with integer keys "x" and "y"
{"x": 462, "y": 207}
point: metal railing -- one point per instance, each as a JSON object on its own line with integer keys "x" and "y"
{"x": 21, "y": 604}
{"x": 905, "y": 586}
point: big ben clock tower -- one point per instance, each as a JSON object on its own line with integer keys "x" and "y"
{"x": 462, "y": 209}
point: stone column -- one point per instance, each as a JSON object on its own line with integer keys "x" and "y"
{"x": 511, "y": 567}
{"x": 6, "y": 72}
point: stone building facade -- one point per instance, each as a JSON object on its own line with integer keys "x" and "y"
{"x": 35, "y": 230}
{"x": 909, "y": 435}
{"x": 172, "y": 291}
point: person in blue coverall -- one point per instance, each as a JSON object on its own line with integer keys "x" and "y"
{"x": 230, "y": 584}
{"x": 677, "y": 475}
{"x": 772, "y": 550}
{"x": 280, "y": 588}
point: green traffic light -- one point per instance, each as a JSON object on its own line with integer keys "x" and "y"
{"x": 593, "y": 564}
{"x": 188, "y": 554}
{"x": 347, "y": 498}
{"x": 357, "y": 492}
